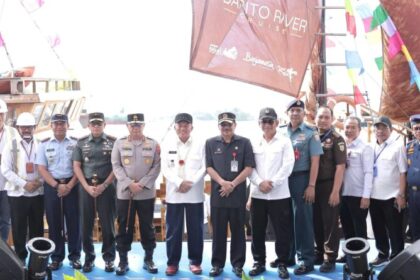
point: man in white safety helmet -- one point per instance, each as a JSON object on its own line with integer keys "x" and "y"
{"x": 24, "y": 185}
{"x": 6, "y": 133}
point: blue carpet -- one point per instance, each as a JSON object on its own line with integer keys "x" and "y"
{"x": 137, "y": 273}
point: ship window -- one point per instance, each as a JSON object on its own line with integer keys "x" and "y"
{"x": 66, "y": 107}
{"x": 37, "y": 111}
{"x": 49, "y": 108}
{"x": 59, "y": 108}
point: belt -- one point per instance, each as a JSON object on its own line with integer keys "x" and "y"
{"x": 415, "y": 188}
{"x": 299, "y": 173}
{"x": 63, "y": 181}
{"x": 98, "y": 181}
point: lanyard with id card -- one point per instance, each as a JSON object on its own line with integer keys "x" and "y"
{"x": 375, "y": 167}
{"x": 30, "y": 168}
{"x": 234, "y": 165}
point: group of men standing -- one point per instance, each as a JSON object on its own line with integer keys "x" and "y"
{"x": 303, "y": 179}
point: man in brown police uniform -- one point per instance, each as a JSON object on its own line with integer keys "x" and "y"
{"x": 327, "y": 192}
{"x": 136, "y": 164}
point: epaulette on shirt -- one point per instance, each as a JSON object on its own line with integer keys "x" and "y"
{"x": 310, "y": 126}
{"x": 112, "y": 138}
{"x": 283, "y": 125}
{"x": 124, "y": 138}
{"x": 73, "y": 138}
{"x": 45, "y": 140}
{"x": 84, "y": 137}
{"x": 336, "y": 134}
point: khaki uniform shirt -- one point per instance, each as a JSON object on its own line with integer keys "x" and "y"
{"x": 136, "y": 161}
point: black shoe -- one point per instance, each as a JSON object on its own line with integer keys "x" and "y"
{"x": 237, "y": 271}
{"x": 327, "y": 266}
{"x": 282, "y": 272}
{"x": 109, "y": 266}
{"x": 122, "y": 268}
{"x": 379, "y": 261}
{"x": 88, "y": 266}
{"x": 303, "y": 269}
{"x": 319, "y": 260}
{"x": 215, "y": 271}
{"x": 341, "y": 259}
{"x": 275, "y": 263}
{"x": 149, "y": 265}
{"x": 290, "y": 263}
{"x": 257, "y": 269}
{"x": 76, "y": 264}
{"x": 55, "y": 265}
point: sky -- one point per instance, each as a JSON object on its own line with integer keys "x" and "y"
{"x": 130, "y": 55}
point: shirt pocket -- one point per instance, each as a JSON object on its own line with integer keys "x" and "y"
{"x": 195, "y": 162}
{"x": 50, "y": 155}
{"x": 127, "y": 156}
{"x": 354, "y": 159}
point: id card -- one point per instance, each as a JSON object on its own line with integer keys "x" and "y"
{"x": 234, "y": 166}
{"x": 375, "y": 171}
{"x": 29, "y": 167}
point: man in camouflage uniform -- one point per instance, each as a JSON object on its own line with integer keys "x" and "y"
{"x": 92, "y": 166}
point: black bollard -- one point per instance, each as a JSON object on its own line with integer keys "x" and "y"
{"x": 357, "y": 266}
{"x": 40, "y": 249}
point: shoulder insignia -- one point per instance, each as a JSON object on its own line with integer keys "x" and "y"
{"x": 112, "y": 138}
{"x": 283, "y": 125}
{"x": 336, "y": 134}
{"x": 124, "y": 138}
{"x": 45, "y": 140}
{"x": 310, "y": 126}
{"x": 74, "y": 138}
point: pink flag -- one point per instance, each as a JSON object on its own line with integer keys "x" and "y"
{"x": 1, "y": 41}
{"x": 40, "y": 3}
{"x": 358, "y": 97}
{"x": 54, "y": 41}
{"x": 394, "y": 44}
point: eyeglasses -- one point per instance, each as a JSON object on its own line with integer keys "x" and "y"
{"x": 267, "y": 121}
{"x": 417, "y": 128}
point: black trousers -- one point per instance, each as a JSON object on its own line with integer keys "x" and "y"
{"x": 352, "y": 217}
{"x": 220, "y": 218}
{"x": 144, "y": 210}
{"x": 387, "y": 227}
{"x": 26, "y": 212}
{"x": 327, "y": 239}
{"x": 279, "y": 213}
{"x": 56, "y": 221}
{"x": 105, "y": 206}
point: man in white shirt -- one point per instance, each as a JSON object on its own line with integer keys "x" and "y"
{"x": 270, "y": 195}
{"x": 183, "y": 165}
{"x": 388, "y": 192}
{"x": 24, "y": 185}
{"x": 357, "y": 184}
{"x": 6, "y": 133}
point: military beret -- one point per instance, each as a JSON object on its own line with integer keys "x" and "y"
{"x": 295, "y": 103}
{"x": 268, "y": 113}
{"x": 415, "y": 119}
{"x": 383, "y": 120}
{"x": 226, "y": 117}
{"x": 135, "y": 118}
{"x": 183, "y": 117}
{"x": 59, "y": 118}
{"x": 97, "y": 116}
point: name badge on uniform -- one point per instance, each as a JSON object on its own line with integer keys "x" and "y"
{"x": 171, "y": 164}
{"x": 234, "y": 166}
{"x": 29, "y": 167}
{"x": 375, "y": 171}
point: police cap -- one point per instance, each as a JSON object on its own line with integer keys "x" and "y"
{"x": 415, "y": 119}
{"x": 135, "y": 118}
{"x": 59, "y": 118}
{"x": 96, "y": 117}
{"x": 226, "y": 117}
{"x": 183, "y": 117}
{"x": 295, "y": 103}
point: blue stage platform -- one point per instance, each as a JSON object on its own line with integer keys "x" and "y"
{"x": 137, "y": 273}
